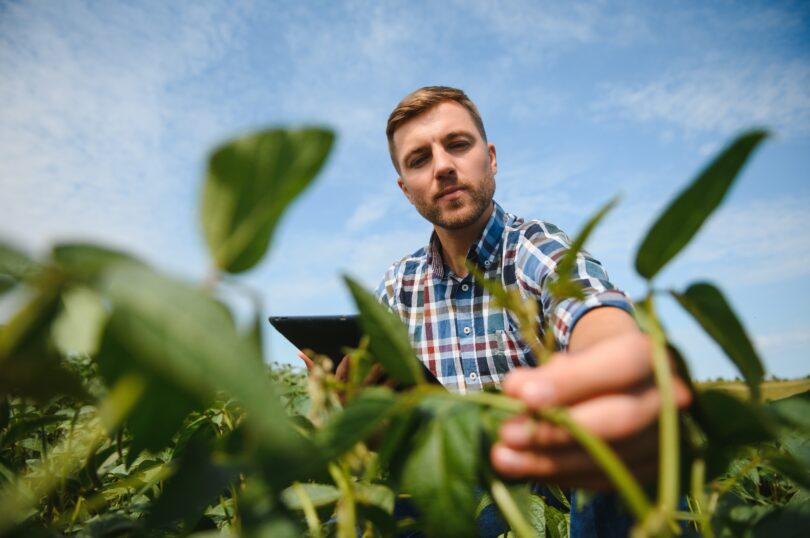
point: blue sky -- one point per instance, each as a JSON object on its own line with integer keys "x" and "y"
{"x": 109, "y": 108}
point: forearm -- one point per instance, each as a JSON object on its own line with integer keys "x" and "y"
{"x": 599, "y": 324}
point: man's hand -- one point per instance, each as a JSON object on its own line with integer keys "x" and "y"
{"x": 375, "y": 376}
{"x": 607, "y": 384}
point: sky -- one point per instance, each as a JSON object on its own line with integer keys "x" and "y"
{"x": 110, "y": 108}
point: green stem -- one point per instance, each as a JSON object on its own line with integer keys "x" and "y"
{"x": 510, "y": 509}
{"x": 310, "y": 514}
{"x": 346, "y": 517}
{"x": 698, "y": 477}
{"x": 669, "y": 451}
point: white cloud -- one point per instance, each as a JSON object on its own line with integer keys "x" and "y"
{"x": 87, "y": 134}
{"x": 796, "y": 337}
{"x": 722, "y": 97}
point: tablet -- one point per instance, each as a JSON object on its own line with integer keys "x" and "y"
{"x": 325, "y": 335}
{"x": 328, "y": 335}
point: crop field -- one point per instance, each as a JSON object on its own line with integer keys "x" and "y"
{"x": 771, "y": 390}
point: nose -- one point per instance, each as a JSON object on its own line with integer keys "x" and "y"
{"x": 444, "y": 166}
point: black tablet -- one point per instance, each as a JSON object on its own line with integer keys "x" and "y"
{"x": 328, "y": 335}
{"x": 325, "y": 335}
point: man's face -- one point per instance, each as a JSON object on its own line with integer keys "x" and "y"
{"x": 447, "y": 169}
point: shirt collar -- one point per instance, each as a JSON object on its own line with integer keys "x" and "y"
{"x": 483, "y": 252}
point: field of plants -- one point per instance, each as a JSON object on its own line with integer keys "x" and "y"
{"x": 135, "y": 404}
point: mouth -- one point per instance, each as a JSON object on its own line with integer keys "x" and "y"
{"x": 449, "y": 194}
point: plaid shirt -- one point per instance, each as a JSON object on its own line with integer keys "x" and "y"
{"x": 466, "y": 341}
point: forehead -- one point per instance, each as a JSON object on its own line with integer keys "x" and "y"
{"x": 434, "y": 124}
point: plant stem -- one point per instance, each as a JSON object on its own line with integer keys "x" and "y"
{"x": 346, "y": 517}
{"x": 669, "y": 451}
{"x": 310, "y": 514}
{"x": 510, "y": 509}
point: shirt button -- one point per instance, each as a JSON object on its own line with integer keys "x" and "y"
{"x": 465, "y": 287}
{"x": 487, "y": 263}
{"x": 473, "y": 376}
{"x": 466, "y": 330}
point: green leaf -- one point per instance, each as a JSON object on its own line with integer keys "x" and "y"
{"x": 250, "y": 182}
{"x": 14, "y": 267}
{"x": 389, "y": 342}
{"x": 793, "y": 409}
{"x": 359, "y": 419}
{"x": 319, "y": 494}
{"x": 441, "y": 472}
{"x": 78, "y": 327}
{"x": 180, "y": 335}
{"x": 686, "y": 214}
{"x": 556, "y": 522}
{"x": 86, "y": 261}
{"x": 708, "y": 306}
{"x": 200, "y": 479}
{"x": 563, "y": 287}
{"x": 730, "y": 421}
{"x": 29, "y": 364}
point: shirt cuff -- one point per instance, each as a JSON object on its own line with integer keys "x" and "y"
{"x": 569, "y": 311}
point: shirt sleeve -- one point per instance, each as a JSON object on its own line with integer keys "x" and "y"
{"x": 539, "y": 260}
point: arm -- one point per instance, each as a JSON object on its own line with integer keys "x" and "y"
{"x": 606, "y": 381}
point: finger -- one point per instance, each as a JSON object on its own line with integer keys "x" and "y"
{"x": 572, "y": 465}
{"x": 610, "y": 365}
{"x": 309, "y": 362}
{"x": 342, "y": 370}
{"x": 611, "y": 417}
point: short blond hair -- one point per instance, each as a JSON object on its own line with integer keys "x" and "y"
{"x": 422, "y": 100}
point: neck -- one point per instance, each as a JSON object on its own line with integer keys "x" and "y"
{"x": 456, "y": 243}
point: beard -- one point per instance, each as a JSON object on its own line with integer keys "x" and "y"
{"x": 461, "y": 212}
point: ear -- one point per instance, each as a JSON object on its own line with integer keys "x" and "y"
{"x": 493, "y": 161}
{"x": 404, "y": 189}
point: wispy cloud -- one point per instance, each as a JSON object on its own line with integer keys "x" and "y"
{"x": 723, "y": 97}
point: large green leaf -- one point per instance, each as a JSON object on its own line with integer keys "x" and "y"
{"x": 686, "y": 214}
{"x": 793, "y": 409}
{"x": 182, "y": 336}
{"x": 729, "y": 421}
{"x": 441, "y": 471}
{"x": 708, "y": 306}
{"x": 389, "y": 342}
{"x": 250, "y": 182}
{"x": 361, "y": 417}
{"x": 86, "y": 261}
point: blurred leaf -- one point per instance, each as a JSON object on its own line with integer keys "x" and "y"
{"x": 389, "y": 342}
{"x": 182, "y": 336}
{"x": 28, "y": 361}
{"x": 790, "y": 521}
{"x": 78, "y": 327}
{"x": 5, "y": 415}
{"x": 320, "y": 495}
{"x": 563, "y": 287}
{"x": 686, "y": 214}
{"x": 441, "y": 472}
{"x": 88, "y": 262}
{"x": 250, "y": 182}
{"x": 708, "y": 306}
{"x": 794, "y": 409}
{"x": 14, "y": 267}
{"x": 22, "y": 427}
{"x": 200, "y": 479}
{"x": 730, "y": 421}
{"x": 359, "y": 419}
{"x": 160, "y": 412}
{"x": 792, "y": 468}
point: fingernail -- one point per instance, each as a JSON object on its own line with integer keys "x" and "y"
{"x": 537, "y": 394}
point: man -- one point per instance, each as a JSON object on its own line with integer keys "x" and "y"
{"x": 603, "y": 372}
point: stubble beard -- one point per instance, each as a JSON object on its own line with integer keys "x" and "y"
{"x": 479, "y": 202}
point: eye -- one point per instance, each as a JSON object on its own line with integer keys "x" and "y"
{"x": 458, "y": 144}
{"x": 417, "y": 161}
